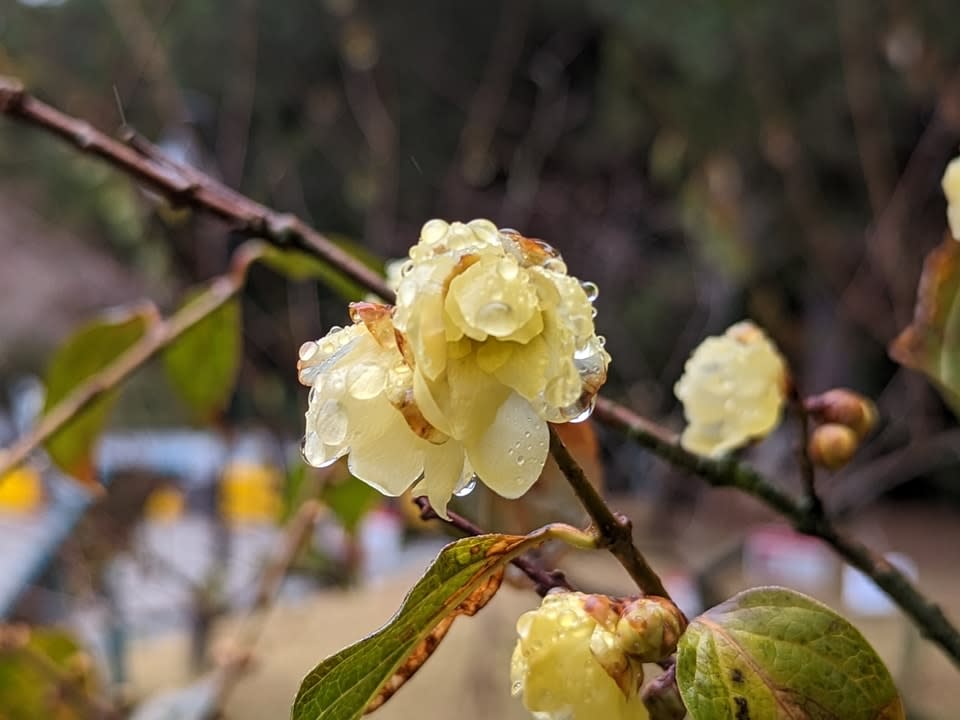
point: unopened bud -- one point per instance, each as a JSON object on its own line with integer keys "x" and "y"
{"x": 649, "y": 628}
{"x": 846, "y": 408}
{"x": 832, "y": 445}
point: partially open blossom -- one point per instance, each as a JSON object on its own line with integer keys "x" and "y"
{"x": 490, "y": 339}
{"x": 951, "y": 189}
{"x": 568, "y": 663}
{"x": 733, "y": 388}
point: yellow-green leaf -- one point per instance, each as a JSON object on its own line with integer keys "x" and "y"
{"x": 28, "y": 690}
{"x": 202, "y": 364}
{"x": 298, "y": 265}
{"x": 931, "y": 343}
{"x": 342, "y": 686}
{"x": 774, "y": 654}
{"x": 88, "y": 351}
{"x": 350, "y": 499}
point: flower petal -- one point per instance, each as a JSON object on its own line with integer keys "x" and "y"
{"x": 443, "y": 466}
{"x": 384, "y": 451}
{"x": 509, "y": 455}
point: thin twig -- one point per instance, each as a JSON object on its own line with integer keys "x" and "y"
{"x": 544, "y": 580}
{"x": 926, "y": 614}
{"x": 296, "y": 534}
{"x": 158, "y": 336}
{"x": 195, "y": 190}
{"x": 616, "y": 531}
{"x": 808, "y": 471}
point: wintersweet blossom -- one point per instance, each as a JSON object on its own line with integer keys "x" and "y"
{"x": 489, "y": 340}
{"x": 951, "y": 189}
{"x": 568, "y": 662}
{"x": 732, "y": 390}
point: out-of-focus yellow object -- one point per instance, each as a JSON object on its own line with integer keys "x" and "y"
{"x": 951, "y": 189}
{"x": 733, "y": 389}
{"x": 165, "y": 504}
{"x": 249, "y": 493}
{"x": 21, "y": 490}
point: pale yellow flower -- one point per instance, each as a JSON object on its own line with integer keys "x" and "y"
{"x": 490, "y": 339}
{"x": 732, "y": 390}
{"x": 951, "y": 188}
{"x": 568, "y": 663}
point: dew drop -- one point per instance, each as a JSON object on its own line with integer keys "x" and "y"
{"x": 526, "y": 434}
{"x": 520, "y": 460}
{"x": 466, "y": 488}
{"x": 406, "y": 268}
{"x": 591, "y": 290}
{"x": 308, "y": 350}
{"x": 507, "y": 268}
{"x": 496, "y": 318}
{"x": 366, "y": 380}
{"x": 517, "y": 687}
{"x": 586, "y": 413}
{"x": 434, "y": 231}
{"x": 555, "y": 265}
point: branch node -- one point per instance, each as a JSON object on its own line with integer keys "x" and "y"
{"x": 11, "y": 94}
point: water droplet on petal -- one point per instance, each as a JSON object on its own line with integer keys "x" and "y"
{"x": 434, "y": 231}
{"x": 308, "y": 350}
{"x": 586, "y": 413}
{"x": 591, "y": 290}
{"x": 467, "y": 487}
{"x": 366, "y": 380}
{"x": 517, "y": 687}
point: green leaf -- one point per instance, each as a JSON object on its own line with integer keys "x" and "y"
{"x": 202, "y": 364}
{"x": 350, "y": 499}
{"x": 298, "y": 265}
{"x": 774, "y": 654}
{"x": 931, "y": 343}
{"x": 342, "y": 686}
{"x": 28, "y": 689}
{"x": 90, "y": 349}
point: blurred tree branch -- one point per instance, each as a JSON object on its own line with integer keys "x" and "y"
{"x": 808, "y": 518}
{"x": 189, "y": 187}
{"x": 159, "y": 334}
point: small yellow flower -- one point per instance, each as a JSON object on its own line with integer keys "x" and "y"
{"x": 951, "y": 188}
{"x": 732, "y": 390}
{"x": 490, "y": 339}
{"x": 568, "y": 662}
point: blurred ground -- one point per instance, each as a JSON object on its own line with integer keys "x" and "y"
{"x": 468, "y": 677}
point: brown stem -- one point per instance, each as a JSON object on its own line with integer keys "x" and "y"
{"x": 185, "y": 186}
{"x": 615, "y": 531}
{"x": 544, "y": 580}
{"x": 926, "y": 615}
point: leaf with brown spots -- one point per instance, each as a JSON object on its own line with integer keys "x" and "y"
{"x": 774, "y": 654}
{"x": 471, "y": 606}
{"x": 931, "y": 343}
{"x": 460, "y": 581}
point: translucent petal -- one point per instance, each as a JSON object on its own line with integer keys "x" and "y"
{"x": 442, "y": 470}
{"x": 509, "y": 455}
{"x": 384, "y": 452}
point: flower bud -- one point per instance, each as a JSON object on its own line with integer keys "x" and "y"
{"x": 846, "y": 408}
{"x": 568, "y": 664}
{"x": 649, "y": 628}
{"x": 832, "y": 445}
